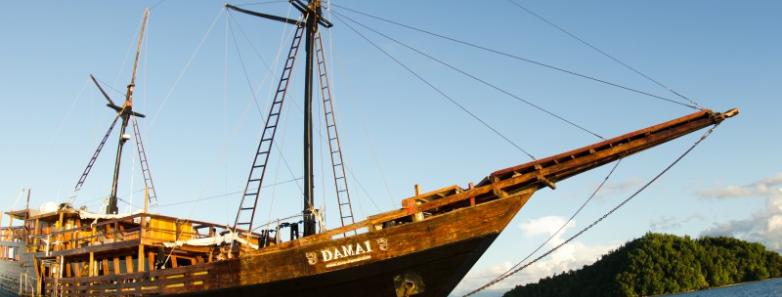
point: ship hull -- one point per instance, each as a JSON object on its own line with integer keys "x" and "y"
{"x": 17, "y": 277}
{"x": 9, "y": 278}
{"x": 422, "y": 258}
{"x": 437, "y": 271}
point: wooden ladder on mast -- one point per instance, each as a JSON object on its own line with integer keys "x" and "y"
{"x": 335, "y": 148}
{"x": 252, "y": 190}
{"x": 145, "y": 172}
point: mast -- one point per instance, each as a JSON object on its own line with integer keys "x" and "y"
{"x": 313, "y": 19}
{"x": 27, "y": 204}
{"x": 125, "y": 113}
{"x": 310, "y": 222}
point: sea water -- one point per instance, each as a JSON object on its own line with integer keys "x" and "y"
{"x": 766, "y": 288}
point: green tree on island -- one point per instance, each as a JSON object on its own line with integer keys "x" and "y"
{"x": 662, "y": 264}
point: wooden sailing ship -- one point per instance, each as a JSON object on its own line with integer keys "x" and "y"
{"x": 424, "y": 248}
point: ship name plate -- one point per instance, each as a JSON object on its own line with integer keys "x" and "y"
{"x": 353, "y": 252}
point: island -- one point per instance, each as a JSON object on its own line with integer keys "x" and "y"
{"x": 662, "y": 264}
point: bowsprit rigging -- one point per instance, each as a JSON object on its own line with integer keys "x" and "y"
{"x": 549, "y": 66}
{"x": 128, "y": 116}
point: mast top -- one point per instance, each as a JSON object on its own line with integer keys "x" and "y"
{"x": 313, "y": 7}
{"x": 138, "y": 48}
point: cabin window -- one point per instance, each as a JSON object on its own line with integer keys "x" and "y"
{"x": 183, "y": 261}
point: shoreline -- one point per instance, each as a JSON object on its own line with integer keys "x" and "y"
{"x": 720, "y": 287}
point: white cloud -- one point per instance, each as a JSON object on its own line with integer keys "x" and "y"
{"x": 544, "y": 226}
{"x": 573, "y": 255}
{"x": 775, "y": 223}
{"x": 764, "y": 226}
{"x": 666, "y": 223}
{"x": 619, "y": 187}
{"x": 760, "y": 188}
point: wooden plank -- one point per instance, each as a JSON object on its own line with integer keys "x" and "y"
{"x": 151, "y": 260}
{"x": 92, "y": 264}
{"x": 117, "y": 269}
{"x": 129, "y": 264}
{"x": 140, "y": 258}
{"x": 105, "y": 266}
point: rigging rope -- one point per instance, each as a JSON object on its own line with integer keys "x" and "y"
{"x": 369, "y": 141}
{"x": 255, "y": 98}
{"x": 111, "y": 88}
{"x": 156, "y": 4}
{"x": 363, "y": 189}
{"x": 573, "y": 216}
{"x": 184, "y": 69}
{"x": 205, "y": 198}
{"x": 235, "y": 131}
{"x": 241, "y": 63}
{"x": 121, "y": 69}
{"x": 262, "y": 2}
{"x": 433, "y": 87}
{"x": 604, "y": 53}
{"x": 246, "y": 38}
{"x": 519, "y": 58}
{"x": 610, "y": 212}
{"x": 493, "y": 86}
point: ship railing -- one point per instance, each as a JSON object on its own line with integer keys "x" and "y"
{"x": 271, "y": 233}
{"x": 111, "y": 231}
{"x": 147, "y": 227}
{"x": 132, "y": 284}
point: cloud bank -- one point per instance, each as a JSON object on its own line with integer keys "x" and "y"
{"x": 764, "y": 226}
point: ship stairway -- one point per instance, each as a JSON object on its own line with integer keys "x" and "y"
{"x": 335, "y": 149}
{"x": 149, "y": 186}
{"x": 246, "y": 212}
{"x": 95, "y": 155}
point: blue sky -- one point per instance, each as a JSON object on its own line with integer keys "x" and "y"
{"x": 203, "y": 124}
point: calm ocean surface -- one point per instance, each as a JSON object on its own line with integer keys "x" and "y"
{"x": 767, "y": 288}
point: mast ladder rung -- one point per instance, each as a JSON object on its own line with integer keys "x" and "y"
{"x": 254, "y": 183}
{"x": 145, "y": 171}
{"x": 94, "y": 157}
{"x": 338, "y": 169}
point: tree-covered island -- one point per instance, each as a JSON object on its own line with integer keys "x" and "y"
{"x": 662, "y": 264}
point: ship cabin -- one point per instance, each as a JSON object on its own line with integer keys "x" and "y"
{"x": 12, "y": 236}
{"x": 75, "y": 249}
